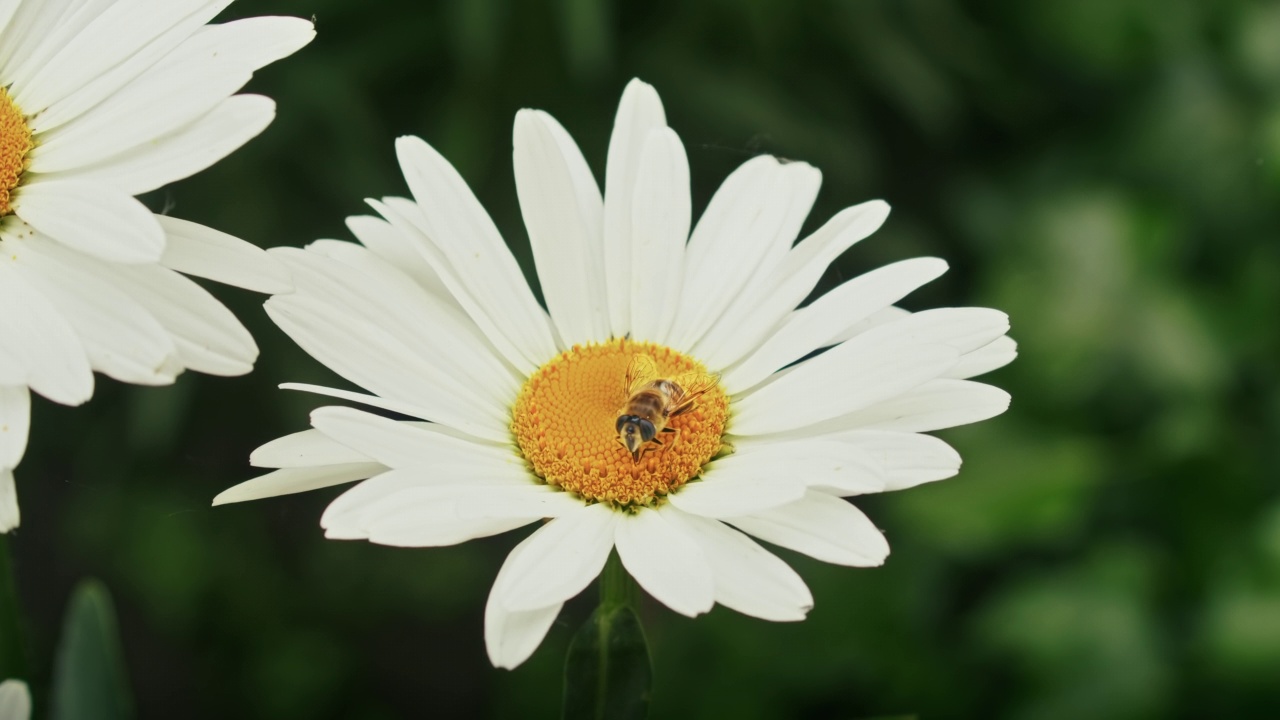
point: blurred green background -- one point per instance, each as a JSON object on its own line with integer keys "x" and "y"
{"x": 1106, "y": 171}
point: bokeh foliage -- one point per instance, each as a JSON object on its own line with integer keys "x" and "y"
{"x": 1106, "y": 171}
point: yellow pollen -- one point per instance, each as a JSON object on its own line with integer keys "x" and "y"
{"x": 564, "y": 420}
{"x": 15, "y": 143}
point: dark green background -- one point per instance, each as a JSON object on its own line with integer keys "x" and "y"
{"x": 1105, "y": 171}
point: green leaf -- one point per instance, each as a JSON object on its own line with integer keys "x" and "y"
{"x": 607, "y": 672}
{"x": 89, "y": 680}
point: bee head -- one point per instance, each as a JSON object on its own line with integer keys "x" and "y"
{"x": 634, "y": 431}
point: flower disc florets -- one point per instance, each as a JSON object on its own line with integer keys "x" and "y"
{"x": 565, "y": 416}
{"x": 15, "y": 143}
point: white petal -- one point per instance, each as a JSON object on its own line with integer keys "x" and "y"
{"x": 452, "y": 489}
{"x": 907, "y": 459}
{"x": 934, "y": 405}
{"x": 259, "y": 41}
{"x": 876, "y": 319}
{"x": 639, "y": 113}
{"x": 37, "y": 336}
{"x": 806, "y": 181}
{"x": 764, "y": 304}
{"x": 378, "y": 285}
{"x": 7, "y": 10}
{"x": 995, "y": 354}
{"x": 15, "y": 699}
{"x": 446, "y": 506}
{"x": 10, "y": 518}
{"x": 406, "y": 217}
{"x": 443, "y": 515}
{"x": 12, "y": 371}
{"x": 197, "y": 250}
{"x": 15, "y": 421}
{"x": 748, "y": 578}
{"x": 511, "y": 637}
{"x": 738, "y": 488}
{"x": 406, "y": 528}
{"x": 31, "y": 36}
{"x": 378, "y": 360}
{"x": 388, "y": 243}
{"x": 526, "y": 500}
{"x": 305, "y": 449}
{"x": 742, "y": 224}
{"x": 665, "y": 561}
{"x": 400, "y": 444}
{"x": 370, "y": 298}
{"x": 964, "y": 328}
{"x": 184, "y": 151}
{"x": 801, "y": 182}
{"x": 94, "y": 219}
{"x": 346, "y": 517}
{"x": 209, "y": 338}
{"x": 808, "y": 328}
{"x": 120, "y": 337}
{"x": 562, "y": 211}
{"x": 870, "y": 368}
{"x": 821, "y": 526}
{"x": 457, "y": 226}
{"x": 185, "y": 84}
{"x": 112, "y": 79}
{"x": 560, "y": 559}
{"x": 395, "y": 406}
{"x": 104, "y": 41}
{"x": 829, "y": 463}
{"x": 660, "y": 220}
{"x": 295, "y": 480}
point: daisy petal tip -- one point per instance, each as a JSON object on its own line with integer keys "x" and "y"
{"x": 636, "y": 85}
{"x": 410, "y": 150}
{"x": 228, "y": 496}
{"x": 639, "y": 95}
{"x": 1005, "y": 400}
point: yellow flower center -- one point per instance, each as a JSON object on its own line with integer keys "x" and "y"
{"x": 15, "y": 143}
{"x": 566, "y": 415}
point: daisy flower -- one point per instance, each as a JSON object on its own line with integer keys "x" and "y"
{"x": 519, "y": 414}
{"x": 102, "y": 100}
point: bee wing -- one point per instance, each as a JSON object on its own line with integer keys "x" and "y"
{"x": 694, "y": 384}
{"x": 642, "y": 371}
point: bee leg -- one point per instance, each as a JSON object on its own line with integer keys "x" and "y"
{"x": 668, "y": 430}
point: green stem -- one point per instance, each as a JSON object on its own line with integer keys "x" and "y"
{"x": 12, "y": 660}
{"x": 617, "y": 588}
{"x": 607, "y": 673}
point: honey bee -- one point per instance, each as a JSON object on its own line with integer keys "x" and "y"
{"x": 652, "y": 402}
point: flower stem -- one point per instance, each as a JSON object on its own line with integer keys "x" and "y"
{"x": 12, "y": 660}
{"x": 617, "y": 589}
{"x": 607, "y": 673}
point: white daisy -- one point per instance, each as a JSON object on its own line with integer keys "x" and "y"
{"x": 431, "y": 314}
{"x": 102, "y": 100}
